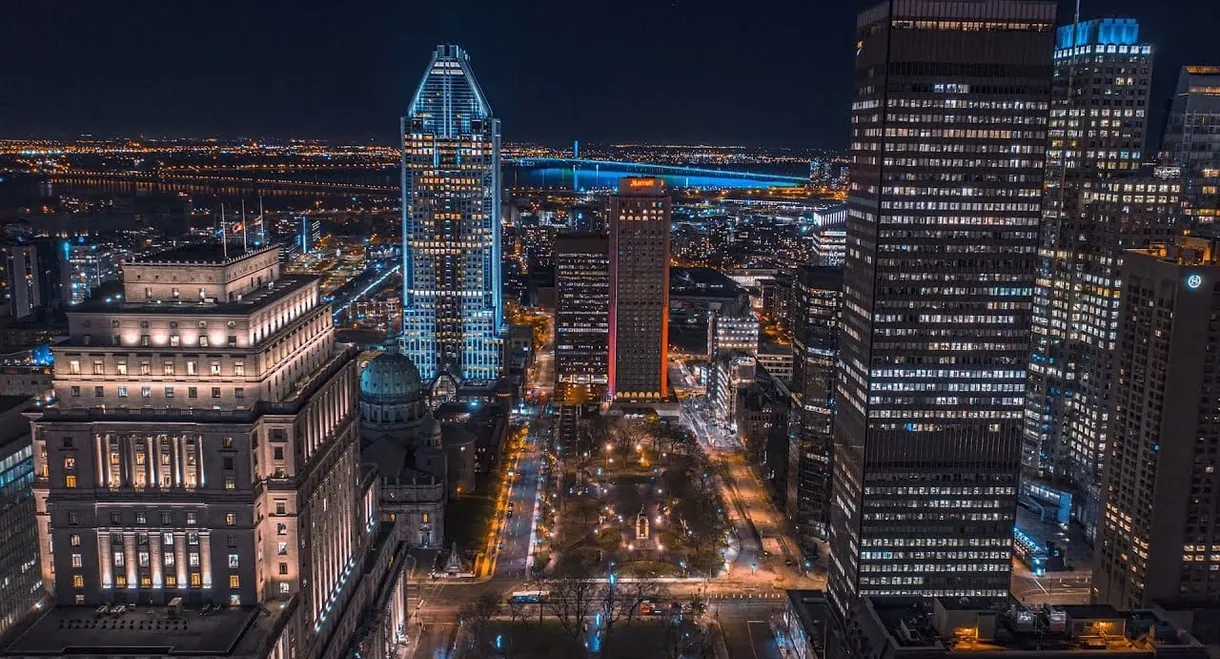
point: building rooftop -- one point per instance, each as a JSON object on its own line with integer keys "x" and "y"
{"x": 1188, "y": 250}
{"x": 811, "y": 606}
{"x": 9, "y": 402}
{"x": 963, "y": 624}
{"x": 702, "y": 281}
{"x": 640, "y": 185}
{"x": 365, "y": 339}
{"x": 582, "y": 243}
{"x": 198, "y": 254}
{"x": 151, "y": 630}
{"x": 105, "y": 302}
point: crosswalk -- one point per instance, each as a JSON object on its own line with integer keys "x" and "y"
{"x": 748, "y": 596}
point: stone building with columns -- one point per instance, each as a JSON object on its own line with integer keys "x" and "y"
{"x": 402, "y": 439}
{"x": 203, "y": 450}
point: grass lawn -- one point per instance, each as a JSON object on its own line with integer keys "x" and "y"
{"x": 468, "y": 518}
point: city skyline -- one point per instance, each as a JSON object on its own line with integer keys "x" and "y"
{"x": 244, "y": 77}
{"x": 950, "y": 389}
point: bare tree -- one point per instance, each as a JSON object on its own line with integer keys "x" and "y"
{"x": 591, "y": 431}
{"x": 626, "y": 434}
{"x": 701, "y": 507}
{"x": 476, "y": 619}
{"x": 516, "y": 610}
{"x": 583, "y": 460}
{"x": 673, "y": 438}
{"x": 687, "y": 639}
{"x": 640, "y": 590}
{"x": 572, "y": 601}
{"x": 620, "y": 602}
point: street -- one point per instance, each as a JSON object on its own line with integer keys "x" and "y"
{"x": 518, "y": 532}
{"x": 433, "y": 612}
{"x": 1050, "y": 588}
{"x": 766, "y": 552}
{"x": 747, "y": 633}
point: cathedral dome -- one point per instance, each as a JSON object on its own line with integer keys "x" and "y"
{"x": 391, "y": 378}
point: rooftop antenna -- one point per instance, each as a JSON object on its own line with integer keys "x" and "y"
{"x": 244, "y": 245}
{"x": 224, "y": 233}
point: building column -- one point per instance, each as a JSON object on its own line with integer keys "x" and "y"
{"x": 205, "y": 558}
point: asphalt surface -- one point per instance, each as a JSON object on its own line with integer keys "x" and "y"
{"x": 516, "y": 532}
{"x": 1067, "y": 587}
{"x": 745, "y": 623}
{"x": 751, "y": 511}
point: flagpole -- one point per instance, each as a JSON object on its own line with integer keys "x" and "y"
{"x": 224, "y": 233}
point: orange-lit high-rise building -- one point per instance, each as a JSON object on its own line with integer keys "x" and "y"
{"x": 639, "y": 289}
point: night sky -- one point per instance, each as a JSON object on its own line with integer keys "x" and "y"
{"x": 759, "y": 72}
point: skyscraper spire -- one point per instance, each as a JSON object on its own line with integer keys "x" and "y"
{"x": 451, "y": 196}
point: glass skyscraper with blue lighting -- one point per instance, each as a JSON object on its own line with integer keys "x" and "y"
{"x": 1096, "y": 133}
{"x": 452, "y": 314}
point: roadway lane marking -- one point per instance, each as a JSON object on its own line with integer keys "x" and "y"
{"x": 750, "y": 634}
{"x": 529, "y": 547}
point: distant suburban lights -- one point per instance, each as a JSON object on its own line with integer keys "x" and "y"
{"x": 1194, "y": 281}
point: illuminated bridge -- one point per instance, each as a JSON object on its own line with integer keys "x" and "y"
{"x": 597, "y": 168}
{"x": 570, "y": 173}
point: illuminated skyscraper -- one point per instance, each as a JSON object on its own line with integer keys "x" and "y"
{"x": 1098, "y": 124}
{"x": 948, "y": 148}
{"x": 582, "y": 315}
{"x": 451, "y": 224}
{"x": 1192, "y": 140}
{"x": 1159, "y": 529}
{"x": 86, "y": 267}
{"x": 639, "y": 289}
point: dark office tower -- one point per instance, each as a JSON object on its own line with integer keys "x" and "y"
{"x": 54, "y": 267}
{"x": 20, "y": 295}
{"x": 582, "y": 316}
{"x": 1097, "y": 130}
{"x": 817, "y": 306}
{"x": 948, "y": 149}
{"x": 1192, "y": 140}
{"x": 451, "y": 312}
{"x": 639, "y": 289}
{"x": 1160, "y": 528}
